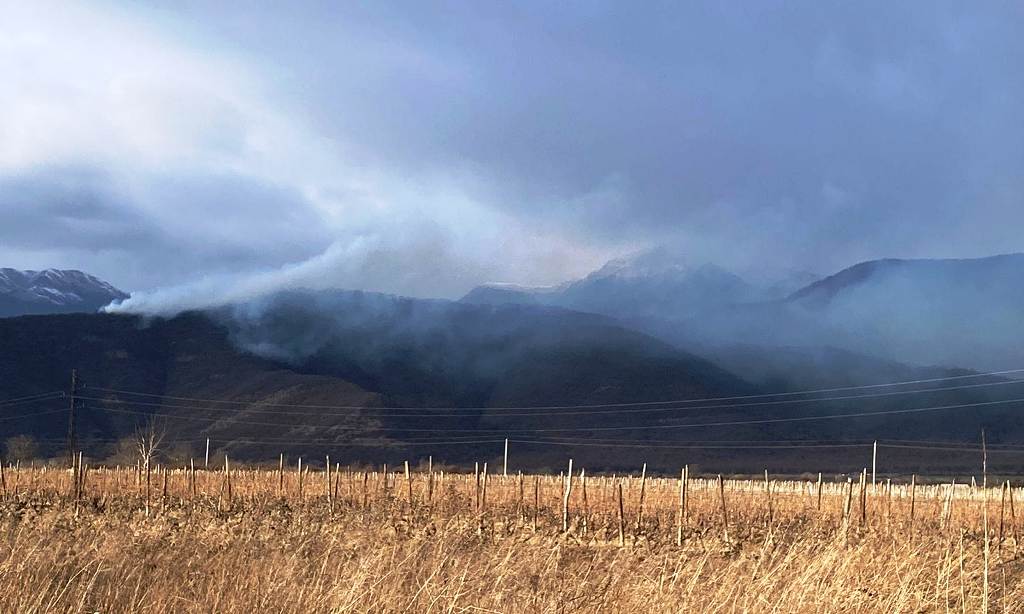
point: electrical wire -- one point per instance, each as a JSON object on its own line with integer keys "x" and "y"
{"x": 611, "y": 411}
{"x": 608, "y": 428}
{"x": 588, "y": 406}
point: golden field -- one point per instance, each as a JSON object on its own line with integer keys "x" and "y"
{"x": 270, "y": 540}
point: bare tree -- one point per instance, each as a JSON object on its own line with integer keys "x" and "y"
{"x": 149, "y": 440}
{"x": 22, "y": 448}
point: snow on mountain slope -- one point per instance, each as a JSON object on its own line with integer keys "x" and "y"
{"x": 53, "y": 291}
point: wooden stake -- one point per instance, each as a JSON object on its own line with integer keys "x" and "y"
{"x": 565, "y": 499}
{"x": 519, "y": 506}
{"x": 863, "y": 496}
{"x": 640, "y": 508}
{"x": 1002, "y": 508}
{"x": 408, "y": 482}
{"x": 328, "y": 485}
{"x": 686, "y": 486}
{"x": 586, "y": 504}
{"x": 913, "y": 501}
{"x": 682, "y": 502}
{"x": 536, "y": 501}
{"x": 483, "y": 491}
{"x": 874, "y": 464}
{"x": 725, "y": 513}
{"x": 819, "y": 491}
{"x": 622, "y": 519}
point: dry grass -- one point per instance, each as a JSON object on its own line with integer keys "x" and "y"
{"x": 456, "y": 550}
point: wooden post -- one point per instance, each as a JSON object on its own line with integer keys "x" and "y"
{"x": 622, "y": 519}
{"x": 768, "y": 496}
{"x": 519, "y": 506}
{"x": 686, "y": 487}
{"x": 682, "y": 501}
{"x": 863, "y": 496}
{"x": 280, "y": 475}
{"x": 984, "y": 516}
{"x": 71, "y": 418}
{"x": 337, "y": 480}
{"x": 848, "y": 502}
{"x": 430, "y": 479}
{"x": 1013, "y": 515}
{"x": 300, "y": 478}
{"x": 1002, "y": 509}
{"x": 476, "y": 487}
{"x": 227, "y": 477}
{"x": 984, "y": 465}
{"x": 586, "y": 504}
{"x": 81, "y": 479}
{"x": 949, "y": 504}
{"x": 640, "y": 508}
{"x": 874, "y": 464}
{"x": 504, "y": 464}
{"x": 408, "y": 482}
{"x": 536, "y": 501}
{"x": 725, "y": 513}
{"x": 483, "y": 491}
{"x": 819, "y": 491}
{"x": 913, "y": 501}
{"x": 328, "y": 484}
{"x": 565, "y": 499}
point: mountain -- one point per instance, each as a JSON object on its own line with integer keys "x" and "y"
{"x": 376, "y": 378}
{"x": 949, "y": 311}
{"x": 957, "y": 313}
{"x": 655, "y": 284}
{"x": 53, "y": 291}
{"x": 256, "y": 377}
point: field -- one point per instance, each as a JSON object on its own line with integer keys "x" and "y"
{"x": 283, "y": 540}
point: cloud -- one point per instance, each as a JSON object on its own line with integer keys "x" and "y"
{"x": 424, "y": 150}
{"x": 156, "y": 164}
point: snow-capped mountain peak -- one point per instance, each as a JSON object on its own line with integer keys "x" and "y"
{"x": 53, "y": 291}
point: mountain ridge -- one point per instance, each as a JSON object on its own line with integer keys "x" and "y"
{"x": 49, "y": 291}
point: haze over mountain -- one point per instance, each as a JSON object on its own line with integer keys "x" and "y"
{"x": 651, "y": 284}
{"x": 955, "y": 312}
{"x": 364, "y": 376}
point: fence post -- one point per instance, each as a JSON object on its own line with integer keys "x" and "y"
{"x": 565, "y": 499}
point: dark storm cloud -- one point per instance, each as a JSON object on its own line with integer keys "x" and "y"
{"x": 176, "y": 226}
{"x": 806, "y": 135}
{"x": 848, "y": 130}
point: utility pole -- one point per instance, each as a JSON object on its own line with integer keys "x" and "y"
{"x": 71, "y": 418}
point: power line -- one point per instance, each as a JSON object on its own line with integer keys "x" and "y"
{"x": 32, "y": 415}
{"x": 606, "y": 428}
{"x": 589, "y": 406}
{"x": 46, "y": 396}
{"x": 610, "y": 411}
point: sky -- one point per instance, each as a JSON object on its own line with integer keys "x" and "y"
{"x": 179, "y": 149}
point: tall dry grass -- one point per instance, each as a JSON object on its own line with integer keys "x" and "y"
{"x": 360, "y": 543}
